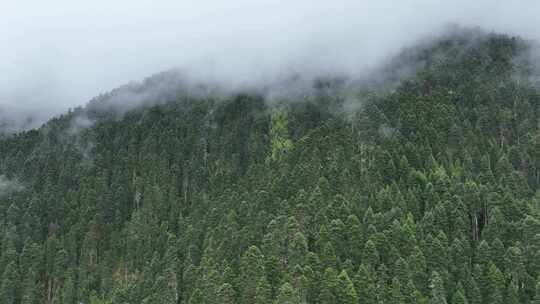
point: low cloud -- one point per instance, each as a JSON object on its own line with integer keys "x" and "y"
{"x": 9, "y": 186}
{"x": 59, "y": 54}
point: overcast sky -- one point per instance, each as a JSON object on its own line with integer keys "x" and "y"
{"x": 58, "y": 54}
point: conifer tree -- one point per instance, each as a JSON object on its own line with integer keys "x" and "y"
{"x": 31, "y": 289}
{"x": 512, "y": 296}
{"x": 69, "y": 291}
{"x": 226, "y": 294}
{"x": 9, "y": 285}
{"x": 365, "y": 285}
{"x": 263, "y": 293}
{"x": 438, "y": 295}
{"x": 287, "y": 295}
{"x": 395, "y": 292}
{"x": 196, "y": 297}
{"x": 536, "y": 299}
{"x": 251, "y": 271}
{"x": 459, "y": 296}
{"x": 345, "y": 292}
{"x": 329, "y": 285}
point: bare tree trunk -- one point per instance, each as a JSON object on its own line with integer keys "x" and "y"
{"x": 185, "y": 186}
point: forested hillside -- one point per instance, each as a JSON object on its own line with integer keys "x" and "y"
{"x": 423, "y": 192}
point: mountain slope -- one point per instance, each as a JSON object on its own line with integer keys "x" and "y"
{"x": 424, "y": 192}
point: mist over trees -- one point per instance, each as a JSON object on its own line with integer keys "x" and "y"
{"x": 425, "y": 191}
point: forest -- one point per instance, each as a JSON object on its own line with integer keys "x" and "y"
{"x": 424, "y": 191}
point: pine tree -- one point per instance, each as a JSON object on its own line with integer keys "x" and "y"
{"x": 297, "y": 249}
{"x": 312, "y": 282}
{"x": 474, "y": 293}
{"x": 459, "y": 296}
{"x": 9, "y": 247}
{"x": 536, "y": 299}
{"x": 438, "y": 295}
{"x": 251, "y": 271}
{"x": 279, "y": 134}
{"x": 226, "y": 294}
{"x": 496, "y": 284}
{"x": 370, "y": 255}
{"x": 69, "y": 291}
{"x": 417, "y": 269}
{"x": 328, "y": 256}
{"x": 196, "y": 297}
{"x": 30, "y": 257}
{"x": 365, "y": 285}
{"x": 345, "y": 292}
{"x": 263, "y": 293}
{"x": 9, "y": 285}
{"x": 287, "y": 295}
{"x": 412, "y": 295}
{"x": 31, "y": 289}
{"x": 274, "y": 273}
{"x": 512, "y": 296}
{"x": 329, "y": 286}
{"x": 395, "y": 292}
{"x": 355, "y": 238}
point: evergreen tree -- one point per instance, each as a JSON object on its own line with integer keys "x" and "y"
{"x": 69, "y": 291}
{"x": 396, "y": 293}
{"x": 365, "y": 285}
{"x": 31, "y": 289}
{"x": 459, "y": 296}
{"x": 263, "y": 293}
{"x": 196, "y": 297}
{"x": 512, "y": 296}
{"x": 438, "y": 295}
{"x": 370, "y": 256}
{"x": 496, "y": 284}
{"x": 345, "y": 292}
{"x": 287, "y": 295}
{"x": 329, "y": 287}
{"x": 536, "y": 299}
{"x": 251, "y": 271}
{"x": 9, "y": 286}
{"x": 226, "y": 294}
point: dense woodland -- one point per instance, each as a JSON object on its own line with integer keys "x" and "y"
{"x": 424, "y": 192}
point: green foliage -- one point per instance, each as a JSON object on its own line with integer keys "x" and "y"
{"x": 427, "y": 193}
{"x": 287, "y": 295}
{"x": 9, "y": 285}
{"x": 196, "y": 297}
{"x": 459, "y": 296}
{"x": 438, "y": 294}
{"x": 280, "y": 141}
{"x": 346, "y": 293}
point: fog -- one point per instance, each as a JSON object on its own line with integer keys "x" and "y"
{"x": 8, "y": 186}
{"x": 59, "y": 54}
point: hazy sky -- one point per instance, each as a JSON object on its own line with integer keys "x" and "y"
{"x": 59, "y": 53}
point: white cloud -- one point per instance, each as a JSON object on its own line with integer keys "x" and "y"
{"x": 8, "y": 186}
{"x": 58, "y": 54}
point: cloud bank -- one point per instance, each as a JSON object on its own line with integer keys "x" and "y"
{"x": 59, "y": 54}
